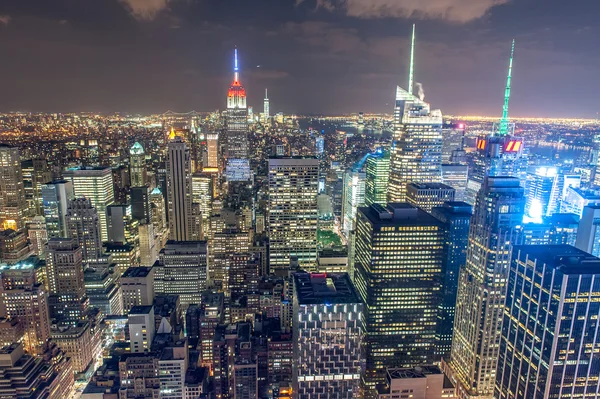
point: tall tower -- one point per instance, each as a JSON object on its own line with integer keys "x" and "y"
{"x": 416, "y": 155}
{"x": 266, "y": 106}
{"x": 237, "y": 168}
{"x": 293, "y": 184}
{"x": 55, "y": 201}
{"x": 179, "y": 191}
{"x": 377, "y": 177}
{"x": 500, "y": 153}
{"x": 83, "y": 225}
{"x": 495, "y": 228}
{"x": 64, "y": 269}
{"x": 96, "y": 184}
{"x": 137, "y": 160}
{"x": 353, "y": 196}
{"x": 398, "y": 276}
{"x": 12, "y": 193}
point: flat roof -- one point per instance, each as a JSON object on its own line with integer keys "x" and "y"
{"x": 141, "y": 271}
{"x": 565, "y": 258}
{"x": 324, "y": 288}
{"x": 430, "y": 186}
{"x": 140, "y": 309}
{"x": 398, "y": 214}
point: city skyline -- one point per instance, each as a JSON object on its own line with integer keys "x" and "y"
{"x": 148, "y": 57}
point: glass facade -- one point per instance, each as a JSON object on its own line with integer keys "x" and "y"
{"x": 550, "y": 342}
{"x": 398, "y": 275}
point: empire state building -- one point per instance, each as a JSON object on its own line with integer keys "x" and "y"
{"x": 237, "y": 167}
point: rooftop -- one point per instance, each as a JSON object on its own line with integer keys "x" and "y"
{"x": 397, "y": 214}
{"x": 564, "y": 258}
{"x": 430, "y": 186}
{"x": 140, "y": 309}
{"x": 141, "y": 271}
{"x": 324, "y": 288}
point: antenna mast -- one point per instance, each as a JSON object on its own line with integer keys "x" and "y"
{"x": 503, "y": 130}
{"x": 412, "y": 62}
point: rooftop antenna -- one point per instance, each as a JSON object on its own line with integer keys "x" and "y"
{"x": 266, "y": 94}
{"x": 235, "y": 66}
{"x": 503, "y": 129}
{"x": 412, "y": 62}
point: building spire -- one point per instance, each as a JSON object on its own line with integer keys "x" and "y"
{"x": 236, "y": 71}
{"x": 503, "y": 129}
{"x": 412, "y": 62}
{"x": 266, "y": 94}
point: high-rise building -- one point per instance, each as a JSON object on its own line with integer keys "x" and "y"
{"x": 35, "y": 173}
{"x": 55, "y": 201}
{"x": 137, "y": 286}
{"x": 498, "y": 154}
{"x": 202, "y": 189}
{"x": 148, "y": 244}
{"x": 456, "y": 217}
{"x": 81, "y": 343}
{"x": 377, "y": 177}
{"x": 64, "y": 269}
{"x": 13, "y": 206}
{"x": 226, "y": 244}
{"x": 179, "y": 191}
{"x": 292, "y": 217}
{"x": 457, "y": 177}
{"x": 159, "y": 214}
{"x": 328, "y": 334}
{"x": 141, "y": 328}
{"x": 549, "y": 333}
{"x": 181, "y": 270}
{"x": 266, "y": 114}
{"x": 237, "y": 168}
{"x": 37, "y": 234}
{"x": 398, "y": 275}
{"x": 576, "y": 199}
{"x": 24, "y": 298}
{"x": 83, "y": 224}
{"x": 102, "y": 287}
{"x": 137, "y": 167}
{"x": 353, "y": 196}
{"x": 421, "y": 382}
{"x": 495, "y": 228}
{"x": 588, "y": 233}
{"x": 428, "y": 195}
{"x": 95, "y": 184}
{"x": 416, "y": 154}
{"x": 452, "y": 140}
{"x": 14, "y": 246}
{"x": 27, "y": 376}
{"x": 122, "y": 227}
{"x": 140, "y": 204}
{"x": 212, "y": 151}
{"x": 543, "y": 192}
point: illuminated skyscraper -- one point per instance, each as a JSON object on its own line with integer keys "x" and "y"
{"x": 266, "y": 106}
{"x": 55, "y": 201}
{"x": 212, "y": 149}
{"x": 64, "y": 269}
{"x": 179, "y": 191}
{"x": 12, "y": 193}
{"x": 456, "y": 176}
{"x": 24, "y": 298}
{"x": 181, "y": 270}
{"x": 456, "y": 217}
{"x": 377, "y": 177}
{"x": 237, "y": 168}
{"x": 428, "y": 195}
{"x": 327, "y": 336}
{"x": 498, "y": 154}
{"x": 398, "y": 275}
{"x": 495, "y": 228}
{"x": 137, "y": 170}
{"x": 452, "y": 140}
{"x": 83, "y": 224}
{"x": 292, "y": 218}
{"x": 549, "y": 341}
{"x": 202, "y": 189}
{"x": 95, "y": 184}
{"x": 588, "y": 233}
{"x": 353, "y": 196}
{"x": 543, "y": 192}
{"x": 416, "y": 155}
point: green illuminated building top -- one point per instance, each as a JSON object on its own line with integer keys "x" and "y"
{"x": 377, "y": 176}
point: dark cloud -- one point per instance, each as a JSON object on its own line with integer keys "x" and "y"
{"x": 451, "y": 10}
{"x": 4, "y": 19}
{"x": 176, "y": 54}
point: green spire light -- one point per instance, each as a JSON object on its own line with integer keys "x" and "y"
{"x": 503, "y": 129}
{"x": 412, "y": 62}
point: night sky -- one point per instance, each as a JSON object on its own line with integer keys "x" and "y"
{"x": 314, "y": 56}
